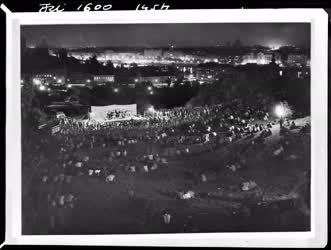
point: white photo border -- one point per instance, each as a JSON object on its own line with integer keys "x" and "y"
{"x": 318, "y": 19}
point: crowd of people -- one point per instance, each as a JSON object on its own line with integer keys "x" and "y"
{"x": 104, "y": 149}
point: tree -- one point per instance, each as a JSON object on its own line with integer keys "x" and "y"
{"x": 110, "y": 66}
{"x": 168, "y": 81}
{"x": 93, "y": 64}
{"x": 31, "y": 113}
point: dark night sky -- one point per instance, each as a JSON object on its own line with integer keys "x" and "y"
{"x": 158, "y": 35}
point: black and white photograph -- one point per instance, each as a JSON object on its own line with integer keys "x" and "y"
{"x": 163, "y": 128}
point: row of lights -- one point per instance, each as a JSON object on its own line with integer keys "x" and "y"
{"x": 149, "y": 88}
{"x": 116, "y": 90}
{"x": 43, "y": 88}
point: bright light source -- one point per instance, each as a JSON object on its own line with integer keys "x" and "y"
{"x": 151, "y": 93}
{"x": 54, "y": 77}
{"x": 69, "y": 86}
{"x": 283, "y": 110}
{"x": 59, "y": 81}
{"x": 36, "y": 81}
{"x": 151, "y": 109}
{"x": 42, "y": 88}
{"x": 149, "y": 88}
{"x": 22, "y": 81}
{"x": 88, "y": 80}
{"x": 116, "y": 90}
{"x": 274, "y": 46}
{"x": 279, "y": 111}
{"x": 135, "y": 80}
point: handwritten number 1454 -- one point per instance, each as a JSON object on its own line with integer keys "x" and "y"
{"x": 155, "y": 7}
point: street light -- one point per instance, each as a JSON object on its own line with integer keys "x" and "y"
{"x": 36, "y": 81}
{"x": 42, "y": 88}
{"x": 116, "y": 90}
{"x": 282, "y": 110}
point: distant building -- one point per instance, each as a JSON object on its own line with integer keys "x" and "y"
{"x": 160, "y": 85}
{"x": 42, "y": 77}
{"x": 297, "y": 60}
{"x": 55, "y": 77}
{"x": 103, "y": 79}
{"x": 80, "y": 55}
{"x": 249, "y": 58}
{"x": 264, "y": 58}
{"x": 131, "y": 85}
{"x": 261, "y": 58}
{"x": 208, "y": 73}
{"x": 79, "y": 78}
{"x": 173, "y": 54}
{"x": 118, "y": 58}
{"x": 267, "y": 57}
{"x": 230, "y": 59}
{"x": 156, "y": 81}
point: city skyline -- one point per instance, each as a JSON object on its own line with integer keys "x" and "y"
{"x": 272, "y": 35}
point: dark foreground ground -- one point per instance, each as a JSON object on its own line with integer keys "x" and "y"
{"x": 219, "y": 204}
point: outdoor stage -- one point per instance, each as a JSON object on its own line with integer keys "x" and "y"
{"x": 105, "y": 121}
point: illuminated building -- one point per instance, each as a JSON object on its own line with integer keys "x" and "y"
{"x": 79, "y": 78}
{"x": 173, "y": 54}
{"x": 156, "y": 81}
{"x": 81, "y": 55}
{"x": 297, "y": 60}
{"x": 261, "y": 58}
{"x": 266, "y": 57}
{"x": 103, "y": 79}
{"x": 51, "y": 77}
{"x": 152, "y": 53}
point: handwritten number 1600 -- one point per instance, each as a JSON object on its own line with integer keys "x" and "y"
{"x": 89, "y": 7}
